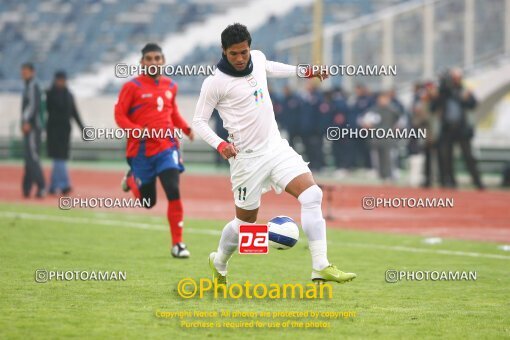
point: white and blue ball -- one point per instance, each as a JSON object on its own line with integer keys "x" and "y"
{"x": 283, "y": 232}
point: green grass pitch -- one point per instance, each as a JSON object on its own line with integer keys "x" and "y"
{"x": 34, "y": 238}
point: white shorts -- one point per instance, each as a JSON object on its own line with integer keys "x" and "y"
{"x": 251, "y": 177}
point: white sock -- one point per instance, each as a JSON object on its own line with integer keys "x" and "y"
{"x": 228, "y": 244}
{"x": 314, "y": 226}
{"x": 319, "y": 252}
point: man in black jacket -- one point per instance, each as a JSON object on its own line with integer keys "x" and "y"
{"x": 61, "y": 109}
{"x": 31, "y": 129}
{"x": 453, "y": 103}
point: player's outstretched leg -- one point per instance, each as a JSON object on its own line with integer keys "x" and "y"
{"x": 146, "y": 192}
{"x": 124, "y": 183}
{"x": 129, "y": 184}
{"x": 218, "y": 260}
{"x": 314, "y": 227}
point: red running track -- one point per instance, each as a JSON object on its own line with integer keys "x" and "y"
{"x": 482, "y": 216}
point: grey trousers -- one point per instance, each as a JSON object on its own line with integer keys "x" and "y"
{"x": 33, "y": 171}
{"x": 384, "y": 159}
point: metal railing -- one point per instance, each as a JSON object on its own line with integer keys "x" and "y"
{"x": 422, "y": 37}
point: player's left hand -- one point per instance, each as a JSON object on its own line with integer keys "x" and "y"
{"x": 321, "y": 73}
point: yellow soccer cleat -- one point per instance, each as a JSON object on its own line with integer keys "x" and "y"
{"x": 332, "y": 273}
{"x": 222, "y": 279}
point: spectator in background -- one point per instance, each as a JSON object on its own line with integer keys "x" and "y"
{"x": 342, "y": 148}
{"x": 312, "y": 126}
{"x": 396, "y": 102}
{"x": 453, "y": 102}
{"x": 291, "y": 115}
{"x": 415, "y": 146}
{"x": 423, "y": 117}
{"x": 61, "y": 109}
{"x": 363, "y": 100}
{"x": 31, "y": 125}
{"x": 384, "y": 115}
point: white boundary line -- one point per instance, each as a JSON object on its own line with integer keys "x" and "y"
{"x": 146, "y": 226}
{"x": 84, "y": 220}
{"x": 423, "y": 250}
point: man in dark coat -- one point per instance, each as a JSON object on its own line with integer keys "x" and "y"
{"x": 363, "y": 101}
{"x": 453, "y": 102}
{"x": 61, "y": 109}
{"x": 342, "y": 148}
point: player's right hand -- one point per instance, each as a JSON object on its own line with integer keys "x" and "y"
{"x": 227, "y": 150}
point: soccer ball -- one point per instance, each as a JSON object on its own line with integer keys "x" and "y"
{"x": 283, "y": 232}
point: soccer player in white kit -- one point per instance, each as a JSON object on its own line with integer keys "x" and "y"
{"x": 260, "y": 159}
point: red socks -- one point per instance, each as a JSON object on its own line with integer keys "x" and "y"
{"x": 174, "y": 212}
{"x": 134, "y": 188}
{"x": 175, "y": 217}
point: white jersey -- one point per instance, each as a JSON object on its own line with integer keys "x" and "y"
{"x": 244, "y": 106}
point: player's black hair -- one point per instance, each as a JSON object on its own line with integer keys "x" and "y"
{"x": 30, "y": 66}
{"x": 234, "y": 34}
{"x": 151, "y": 47}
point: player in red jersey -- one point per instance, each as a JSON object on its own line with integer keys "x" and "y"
{"x": 147, "y": 103}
